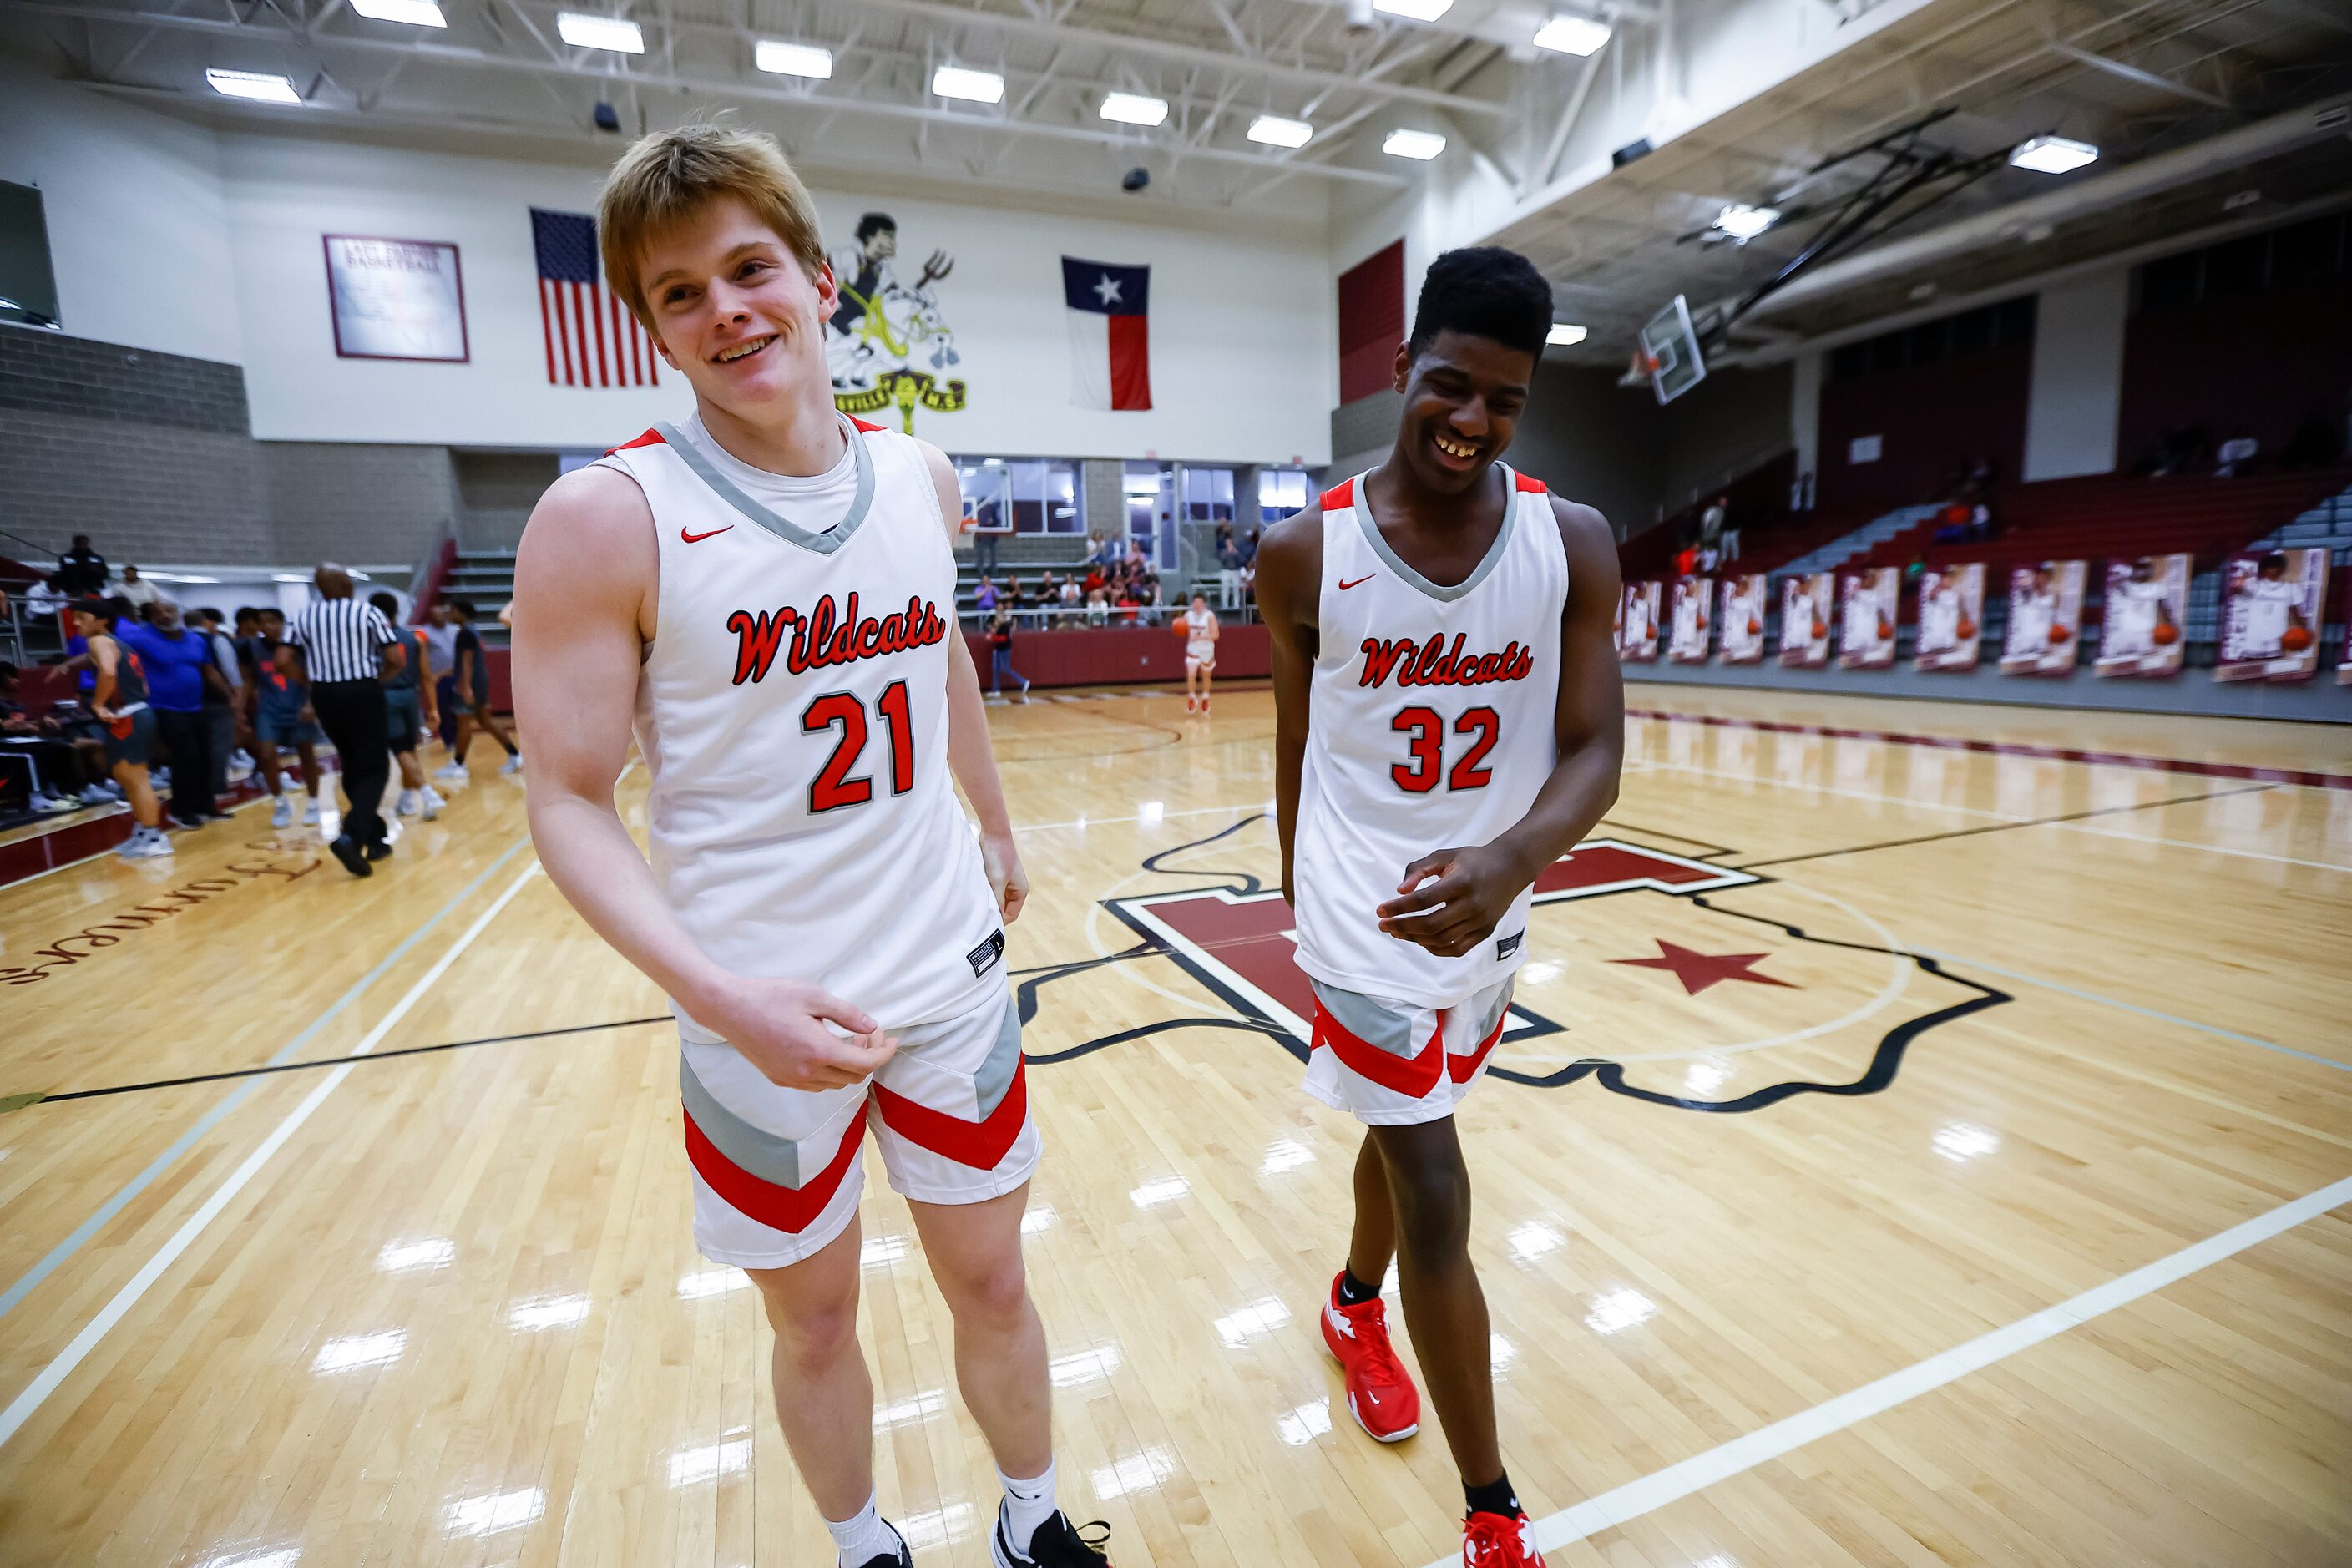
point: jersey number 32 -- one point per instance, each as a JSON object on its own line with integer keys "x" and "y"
{"x": 1426, "y": 747}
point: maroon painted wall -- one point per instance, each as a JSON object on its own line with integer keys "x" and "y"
{"x": 1933, "y": 417}
{"x": 1371, "y": 322}
{"x": 2265, "y": 363}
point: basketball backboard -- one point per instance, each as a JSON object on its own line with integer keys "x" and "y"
{"x": 1673, "y": 350}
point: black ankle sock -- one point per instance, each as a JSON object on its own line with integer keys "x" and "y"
{"x": 1354, "y": 1293}
{"x": 1496, "y": 1496}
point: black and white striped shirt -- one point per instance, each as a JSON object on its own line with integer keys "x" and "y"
{"x": 340, "y": 638}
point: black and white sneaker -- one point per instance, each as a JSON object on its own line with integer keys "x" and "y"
{"x": 902, "y": 1558}
{"x": 1057, "y": 1543}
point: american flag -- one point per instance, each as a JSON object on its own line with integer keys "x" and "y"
{"x": 592, "y": 338}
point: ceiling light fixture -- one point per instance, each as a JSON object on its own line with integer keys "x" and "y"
{"x": 1276, "y": 131}
{"x": 1564, "y": 334}
{"x": 1572, "y": 34}
{"x": 972, "y": 86}
{"x": 617, "y": 34}
{"x": 259, "y": 87}
{"x": 1133, "y": 109}
{"x": 1414, "y": 10}
{"x": 416, "y": 13}
{"x": 1744, "y": 223}
{"x": 1420, "y": 144}
{"x": 793, "y": 59}
{"x": 2052, "y": 154}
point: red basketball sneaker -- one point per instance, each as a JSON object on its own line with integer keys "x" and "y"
{"x": 1379, "y": 1394}
{"x": 1499, "y": 1541}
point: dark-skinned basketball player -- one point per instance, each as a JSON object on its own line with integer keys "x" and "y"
{"x": 1449, "y": 722}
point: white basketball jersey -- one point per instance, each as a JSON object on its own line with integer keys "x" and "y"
{"x": 1429, "y": 727}
{"x": 792, "y": 711}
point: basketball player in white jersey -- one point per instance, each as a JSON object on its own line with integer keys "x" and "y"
{"x": 2133, "y": 610}
{"x": 1199, "y": 630}
{"x": 2273, "y": 605}
{"x": 768, "y": 591}
{"x": 1450, "y": 720}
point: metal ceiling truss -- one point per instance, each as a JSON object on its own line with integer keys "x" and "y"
{"x": 1308, "y": 59}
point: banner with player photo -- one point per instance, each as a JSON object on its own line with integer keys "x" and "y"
{"x": 1951, "y": 613}
{"x": 1742, "y": 641}
{"x": 1692, "y": 612}
{"x": 2045, "y": 612}
{"x": 2271, "y": 602}
{"x": 1806, "y": 604}
{"x": 2147, "y": 606}
{"x": 1866, "y": 626}
{"x": 1639, "y": 640}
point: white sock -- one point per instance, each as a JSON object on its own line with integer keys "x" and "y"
{"x": 863, "y": 1538}
{"x": 1027, "y": 1504}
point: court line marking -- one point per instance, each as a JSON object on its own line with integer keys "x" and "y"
{"x": 2136, "y": 1007}
{"x": 1622, "y": 1505}
{"x": 82, "y": 1233}
{"x": 1650, "y": 765}
{"x": 1138, "y": 816}
{"x": 22, "y": 1408}
{"x": 2057, "y": 821}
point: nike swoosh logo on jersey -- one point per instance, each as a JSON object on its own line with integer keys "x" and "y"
{"x": 1359, "y": 583}
{"x": 698, "y": 538}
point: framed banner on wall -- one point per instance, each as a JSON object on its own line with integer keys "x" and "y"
{"x": 1638, "y": 635}
{"x": 2271, "y": 602}
{"x": 1951, "y": 608}
{"x": 1866, "y": 623}
{"x": 2146, "y": 606}
{"x": 2045, "y": 611}
{"x": 396, "y": 298}
{"x": 1743, "y": 620}
{"x": 1806, "y": 604}
{"x": 1686, "y": 644}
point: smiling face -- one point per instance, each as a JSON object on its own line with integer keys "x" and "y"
{"x": 735, "y": 311}
{"x": 1463, "y": 397}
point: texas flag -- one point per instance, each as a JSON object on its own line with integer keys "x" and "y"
{"x": 1110, "y": 333}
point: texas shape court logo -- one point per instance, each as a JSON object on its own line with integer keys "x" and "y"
{"x": 1241, "y": 946}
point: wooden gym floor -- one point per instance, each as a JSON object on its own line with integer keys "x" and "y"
{"x": 1920, "y": 1150}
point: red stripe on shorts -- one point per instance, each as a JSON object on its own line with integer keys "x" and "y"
{"x": 1410, "y": 1076}
{"x": 791, "y": 1209}
{"x": 982, "y": 1145}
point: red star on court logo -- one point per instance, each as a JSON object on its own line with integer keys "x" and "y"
{"x": 1698, "y": 971}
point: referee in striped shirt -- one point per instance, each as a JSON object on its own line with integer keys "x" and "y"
{"x": 346, "y": 649}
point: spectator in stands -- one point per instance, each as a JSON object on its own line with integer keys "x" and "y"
{"x": 984, "y": 599}
{"x": 1249, "y": 583}
{"x": 1069, "y": 595}
{"x": 137, "y": 589}
{"x": 2236, "y": 454}
{"x": 224, "y": 701}
{"x": 81, "y": 570}
{"x": 179, "y": 678}
{"x": 999, "y": 655}
{"x": 1249, "y": 547}
{"x": 1686, "y": 559}
{"x": 58, "y": 779}
{"x": 46, "y": 597}
{"x": 1229, "y": 570}
{"x": 1710, "y": 525}
{"x": 1102, "y": 550}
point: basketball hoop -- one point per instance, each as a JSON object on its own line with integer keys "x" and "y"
{"x": 1641, "y": 362}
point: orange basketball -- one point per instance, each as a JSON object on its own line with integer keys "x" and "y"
{"x": 2058, "y": 634}
{"x": 2295, "y": 639}
{"x": 2166, "y": 634}
{"x": 1820, "y": 628}
{"x": 1755, "y": 628}
{"x": 1966, "y": 629}
{"x": 1886, "y": 628}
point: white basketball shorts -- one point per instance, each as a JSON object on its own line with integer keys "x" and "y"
{"x": 1393, "y": 1064}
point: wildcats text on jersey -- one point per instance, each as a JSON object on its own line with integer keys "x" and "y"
{"x": 1434, "y": 663}
{"x": 823, "y": 637}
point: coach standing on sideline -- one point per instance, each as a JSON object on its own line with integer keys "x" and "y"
{"x": 347, "y": 648}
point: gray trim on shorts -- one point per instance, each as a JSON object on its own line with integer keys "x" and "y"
{"x": 1368, "y": 1020}
{"x": 995, "y": 1078}
{"x": 772, "y": 1159}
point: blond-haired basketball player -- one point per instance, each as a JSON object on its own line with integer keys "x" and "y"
{"x": 767, "y": 592}
{"x": 1449, "y": 721}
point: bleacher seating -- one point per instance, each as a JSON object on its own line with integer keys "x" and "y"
{"x": 2101, "y": 516}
